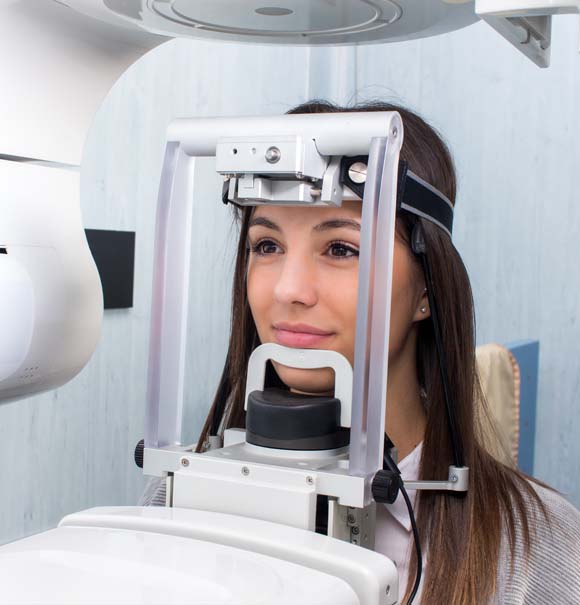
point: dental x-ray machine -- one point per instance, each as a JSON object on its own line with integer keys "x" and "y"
{"x": 246, "y": 508}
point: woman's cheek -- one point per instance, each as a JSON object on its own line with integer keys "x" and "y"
{"x": 342, "y": 292}
{"x": 259, "y": 298}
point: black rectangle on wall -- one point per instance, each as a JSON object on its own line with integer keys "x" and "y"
{"x": 114, "y": 254}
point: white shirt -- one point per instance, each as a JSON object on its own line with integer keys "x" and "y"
{"x": 393, "y": 534}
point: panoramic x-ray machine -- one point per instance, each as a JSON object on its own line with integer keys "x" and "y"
{"x": 240, "y": 518}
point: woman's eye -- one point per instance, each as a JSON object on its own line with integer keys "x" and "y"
{"x": 265, "y": 247}
{"x": 341, "y": 250}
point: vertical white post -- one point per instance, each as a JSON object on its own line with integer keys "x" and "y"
{"x": 374, "y": 305}
{"x": 170, "y": 300}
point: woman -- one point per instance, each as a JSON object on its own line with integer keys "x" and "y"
{"x": 295, "y": 283}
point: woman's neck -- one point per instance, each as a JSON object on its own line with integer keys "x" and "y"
{"x": 406, "y": 418}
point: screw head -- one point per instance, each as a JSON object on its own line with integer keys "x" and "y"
{"x": 395, "y": 132}
{"x": 309, "y": 480}
{"x": 454, "y": 478}
{"x": 357, "y": 172}
{"x": 184, "y": 462}
{"x": 351, "y": 519}
{"x": 355, "y": 530}
{"x": 273, "y": 155}
{"x": 245, "y": 471}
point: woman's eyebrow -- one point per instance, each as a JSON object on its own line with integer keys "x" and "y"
{"x": 264, "y": 222}
{"x": 338, "y": 223}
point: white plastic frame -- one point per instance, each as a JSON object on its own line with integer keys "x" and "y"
{"x": 378, "y": 134}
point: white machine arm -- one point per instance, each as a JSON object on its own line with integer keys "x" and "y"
{"x": 56, "y": 65}
{"x": 527, "y": 24}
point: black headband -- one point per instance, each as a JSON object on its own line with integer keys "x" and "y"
{"x": 414, "y": 195}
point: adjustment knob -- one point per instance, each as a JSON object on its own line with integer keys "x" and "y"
{"x": 139, "y": 453}
{"x": 385, "y": 486}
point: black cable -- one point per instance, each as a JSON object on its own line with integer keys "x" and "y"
{"x": 389, "y": 464}
{"x": 417, "y": 543}
{"x": 419, "y": 248}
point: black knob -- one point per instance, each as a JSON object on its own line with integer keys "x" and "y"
{"x": 385, "y": 486}
{"x": 139, "y": 453}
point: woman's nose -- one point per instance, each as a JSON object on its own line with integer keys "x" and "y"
{"x": 296, "y": 282}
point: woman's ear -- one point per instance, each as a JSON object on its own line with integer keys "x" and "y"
{"x": 423, "y": 311}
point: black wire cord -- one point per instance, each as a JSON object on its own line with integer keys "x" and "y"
{"x": 389, "y": 464}
{"x": 417, "y": 543}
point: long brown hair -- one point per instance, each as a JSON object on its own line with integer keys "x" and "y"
{"x": 464, "y": 530}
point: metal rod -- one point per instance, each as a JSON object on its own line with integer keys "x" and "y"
{"x": 374, "y": 305}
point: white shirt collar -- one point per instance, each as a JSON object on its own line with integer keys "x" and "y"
{"x": 409, "y": 467}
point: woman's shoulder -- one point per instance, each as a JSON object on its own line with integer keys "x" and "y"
{"x": 554, "y": 523}
{"x": 563, "y": 515}
{"x": 549, "y": 571}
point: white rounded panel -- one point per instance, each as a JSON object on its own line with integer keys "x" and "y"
{"x": 16, "y": 315}
{"x": 305, "y": 22}
{"x": 102, "y": 566}
{"x": 57, "y": 65}
{"x": 52, "y": 303}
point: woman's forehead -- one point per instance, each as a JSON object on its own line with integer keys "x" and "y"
{"x": 350, "y": 209}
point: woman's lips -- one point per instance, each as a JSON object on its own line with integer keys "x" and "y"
{"x": 300, "y": 337}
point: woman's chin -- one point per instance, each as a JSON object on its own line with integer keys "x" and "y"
{"x": 312, "y": 382}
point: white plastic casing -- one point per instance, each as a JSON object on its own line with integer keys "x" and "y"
{"x": 306, "y": 22}
{"x": 57, "y": 66}
{"x": 526, "y": 24}
{"x": 52, "y": 303}
{"x": 155, "y": 555}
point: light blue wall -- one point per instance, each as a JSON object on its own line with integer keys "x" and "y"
{"x": 514, "y": 131}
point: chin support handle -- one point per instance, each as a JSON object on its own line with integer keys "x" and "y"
{"x": 307, "y": 359}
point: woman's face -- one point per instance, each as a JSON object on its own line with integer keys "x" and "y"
{"x": 302, "y": 285}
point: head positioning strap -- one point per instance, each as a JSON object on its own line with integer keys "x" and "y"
{"x": 414, "y": 195}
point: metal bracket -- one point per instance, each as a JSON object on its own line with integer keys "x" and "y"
{"x": 526, "y": 24}
{"x": 354, "y": 525}
{"x": 458, "y": 481}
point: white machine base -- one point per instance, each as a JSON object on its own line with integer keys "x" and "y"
{"x": 158, "y": 555}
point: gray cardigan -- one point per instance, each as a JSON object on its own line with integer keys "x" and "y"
{"x": 550, "y": 575}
